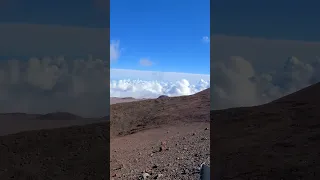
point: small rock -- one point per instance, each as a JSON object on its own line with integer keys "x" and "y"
{"x": 185, "y": 171}
{"x": 151, "y": 154}
{"x": 159, "y": 176}
{"x": 193, "y": 134}
{"x": 145, "y": 175}
{"x": 206, "y": 129}
{"x": 154, "y": 166}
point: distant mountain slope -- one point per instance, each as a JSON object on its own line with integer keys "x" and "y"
{"x": 59, "y": 116}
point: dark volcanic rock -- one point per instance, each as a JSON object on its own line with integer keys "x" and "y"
{"x": 162, "y": 97}
{"x": 59, "y": 116}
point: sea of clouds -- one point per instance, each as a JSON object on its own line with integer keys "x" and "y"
{"x": 150, "y": 84}
{"x": 82, "y": 86}
{"x": 43, "y": 85}
{"x": 153, "y": 89}
{"x": 236, "y": 83}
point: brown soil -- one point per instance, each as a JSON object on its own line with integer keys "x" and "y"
{"x": 139, "y": 129}
{"x": 180, "y": 126}
{"x": 71, "y": 153}
{"x": 279, "y": 140}
{"x": 127, "y": 118}
{"x": 173, "y": 152}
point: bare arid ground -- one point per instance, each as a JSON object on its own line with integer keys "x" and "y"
{"x": 166, "y": 138}
{"x": 53, "y": 149}
{"x": 278, "y": 140}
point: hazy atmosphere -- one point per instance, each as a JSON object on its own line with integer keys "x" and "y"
{"x": 52, "y": 63}
{"x": 254, "y": 62}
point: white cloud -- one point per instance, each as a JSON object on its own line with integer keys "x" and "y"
{"x": 153, "y": 89}
{"x": 114, "y": 50}
{"x": 252, "y": 71}
{"x": 236, "y": 83}
{"x": 151, "y": 84}
{"x": 43, "y": 85}
{"x": 206, "y": 39}
{"x": 145, "y": 62}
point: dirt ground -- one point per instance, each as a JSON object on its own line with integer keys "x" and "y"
{"x": 170, "y": 152}
{"x": 70, "y": 153}
{"x": 49, "y": 150}
{"x": 139, "y": 129}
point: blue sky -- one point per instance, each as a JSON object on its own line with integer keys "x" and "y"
{"x": 167, "y": 33}
{"x": 291, "y": 20}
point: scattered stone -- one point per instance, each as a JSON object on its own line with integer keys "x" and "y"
{"x": 163, "y": 146}
{"x": 206, "y": 129}
{"x": 185, "y": 171}
{"x": 145, "y": 175}
{"x": 204, "y": 138}
{"x": 159, "y": 176}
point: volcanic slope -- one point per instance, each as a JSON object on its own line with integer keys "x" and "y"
{"x": 167, "y": 138}
{"x": 278, "y": 140}
{"x": 69, "y": 153}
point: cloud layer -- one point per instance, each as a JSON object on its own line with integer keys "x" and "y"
{"x": 236, "y": 82}
{"x": 42, "y": 85}
{"x": 153, "y": 89}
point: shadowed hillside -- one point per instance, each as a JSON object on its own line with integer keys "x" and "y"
{"x": 278, "y": 140}
{"x": 73, "y": 153}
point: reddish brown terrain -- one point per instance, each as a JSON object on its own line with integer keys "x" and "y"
{"x": 166, "y": 138}
{"x": 278, "y": 140}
